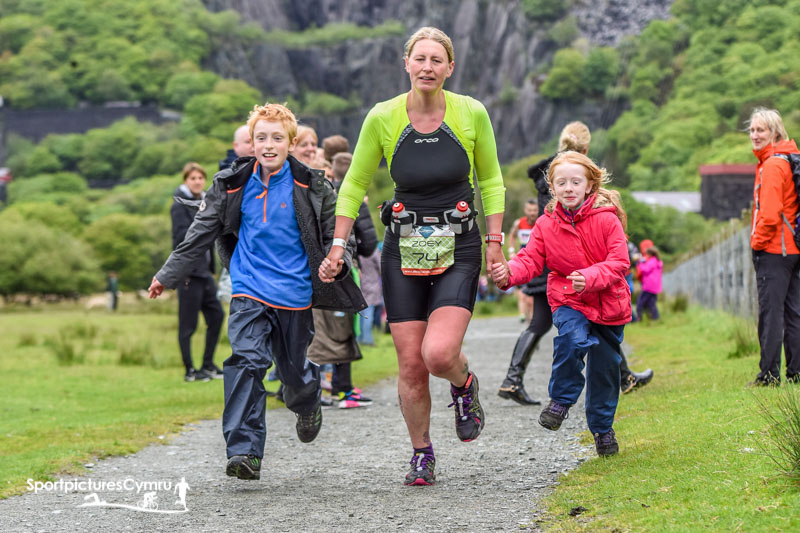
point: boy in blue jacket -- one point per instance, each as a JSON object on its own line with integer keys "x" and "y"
{"x": 273, "y": 220}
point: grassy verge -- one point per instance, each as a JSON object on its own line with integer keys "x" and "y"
{"x": 80, "y": 385}
{"x": 689, "y": 457}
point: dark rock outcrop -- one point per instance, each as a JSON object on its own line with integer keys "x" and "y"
{"x": 498, "y": 51}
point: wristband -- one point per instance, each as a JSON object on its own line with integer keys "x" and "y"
{"x": 499, "y": 238}
{"x": 339, "y": 242}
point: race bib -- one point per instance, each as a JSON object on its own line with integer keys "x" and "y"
{"x": 428, "y": 251}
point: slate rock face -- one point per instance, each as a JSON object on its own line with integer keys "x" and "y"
{"x": 498, "y": 55}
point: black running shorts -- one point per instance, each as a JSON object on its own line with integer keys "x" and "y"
{"x": 416, "y": 297}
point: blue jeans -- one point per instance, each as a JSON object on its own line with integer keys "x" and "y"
{"x": 577, "y": 338}
{"x": 367, "y": 317}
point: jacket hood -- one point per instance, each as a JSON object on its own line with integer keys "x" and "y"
{"x": 787, "y": 146}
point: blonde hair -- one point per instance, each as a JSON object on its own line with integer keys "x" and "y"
{"x": 273, "y": 113}
{"x": 306, "y": 131}
{"x": 190, "y": 167}
{"x": 772, "y": 120}
{"x": 596, "y": 177}
{"x": 576, "y": 137}
{"x": 434, "y": 34}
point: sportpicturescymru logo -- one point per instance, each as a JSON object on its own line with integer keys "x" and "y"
{"x": 147, "y": 493}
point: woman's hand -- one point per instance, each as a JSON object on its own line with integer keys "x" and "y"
{"x": 578, "y": 281}
{"x": 499, "y": 273}
{"x": 494, "y": 254}
{"x": 331, "y": 265}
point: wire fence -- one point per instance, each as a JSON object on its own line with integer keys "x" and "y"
{"x": 720, "y": 278}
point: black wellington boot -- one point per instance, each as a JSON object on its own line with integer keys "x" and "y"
{"x": 512, "y": 388}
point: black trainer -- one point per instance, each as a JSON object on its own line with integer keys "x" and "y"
{"x": 308, "y": 426}
{"x": 213, "y": 370}
{"x": 244, "y": 467}
{"x": 196, "y": 375}
{"x": 606, "y": 443}
{"x": 792, "y": 378}
{"x": 553, "y": 415}
{"x": 421, "y": 473}
{"x": 469, "y": 413}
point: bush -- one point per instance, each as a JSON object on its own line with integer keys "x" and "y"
{"x": 131, "y": 245}
{"x": 745, "y": 340}
{"x": 64, "y": 349}
{"x": 37, "y": 187}
{"x": 781, "y": 441}
{"x": 37, "y": 259}
{"x": 544, "y": 10}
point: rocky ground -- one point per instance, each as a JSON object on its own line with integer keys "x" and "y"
{"x": 349, "y": 478}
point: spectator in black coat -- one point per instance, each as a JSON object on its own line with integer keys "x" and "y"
{"x": 198, "y": 292}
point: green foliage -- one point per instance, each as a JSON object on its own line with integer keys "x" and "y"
{"x": 334, "y": 33}
{"x": 182, "y": 86}
{"x": 45, "y": 187}
{"x": 47, "y": 213}
{"x": 703, "y": 72}
{"x": 133, "y": 246}
{"x": 600, "y": 70}
{"x": 322, "y": 103}
{"x": 564, "y": 82}
{"x": 781, "y": 443}
{"x": 38, "y": 259}
{"x": 575, "y": 75}
{"x": 564, "y": 31}
{"x": 231, "y": 102}
{"x": 544, "y": 10}
{"x": 55, "y": 53}
{"x": 744, "y": 337}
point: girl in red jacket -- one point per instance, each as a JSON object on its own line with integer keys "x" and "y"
{"x": 581, "y": 239}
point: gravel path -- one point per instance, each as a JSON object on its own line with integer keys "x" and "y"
{"x": 350, "y": 477}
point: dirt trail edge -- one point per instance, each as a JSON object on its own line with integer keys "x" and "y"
{"x": 348, "y": 479}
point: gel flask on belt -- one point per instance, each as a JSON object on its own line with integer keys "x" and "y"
{"x": 401, "y": 220}
{"x": 461, "y": 211}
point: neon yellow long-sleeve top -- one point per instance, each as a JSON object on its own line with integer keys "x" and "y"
{"x": 465, "y": 116}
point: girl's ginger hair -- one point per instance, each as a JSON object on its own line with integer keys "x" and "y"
{"x": 576, "y": 137}
{"x": 596, "y": 176}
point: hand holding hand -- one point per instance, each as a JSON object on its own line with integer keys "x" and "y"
{"x": 578, "y": 281}
{"x": 331, "y": 265}
{"x": 156, "y": 288}
{"x": 499, "y": 273}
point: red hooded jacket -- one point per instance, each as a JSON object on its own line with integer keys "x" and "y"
{"x": 593, "y": 243}
{"x": 774, "y": 195}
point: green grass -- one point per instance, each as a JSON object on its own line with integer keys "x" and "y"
{"x": 690, "y": 442}
{"x": 79, "y": 385}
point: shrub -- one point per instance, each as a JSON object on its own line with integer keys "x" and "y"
{"x": 137, "y": 354}
{"x": 745, "y": 340}
{"x": 64, "y": 349}
{"x": 781, "y": 441}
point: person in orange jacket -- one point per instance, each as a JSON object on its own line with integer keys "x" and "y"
{"x": 776, "y": 258}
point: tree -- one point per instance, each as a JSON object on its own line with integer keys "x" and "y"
{"x": 565, "y": 80}
{"x": 37, "y": 259}
{"x": 133, "y": 246}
